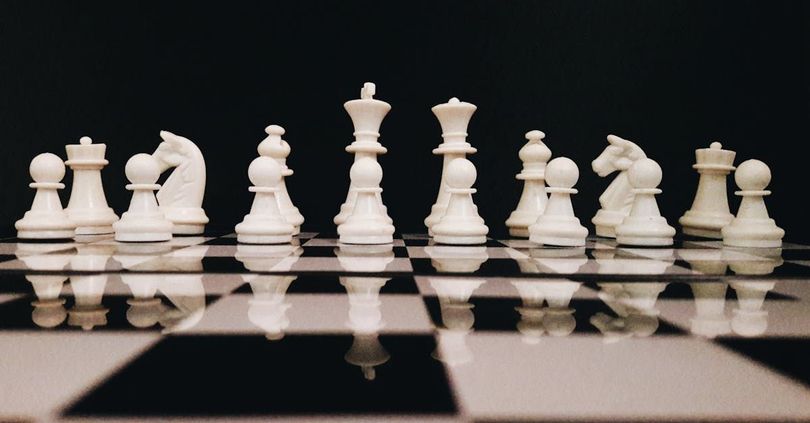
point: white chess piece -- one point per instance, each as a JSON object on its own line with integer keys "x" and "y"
{"x": 453, "y": 116}
{"x": 87, "y": 206}
{"x": 644, "y": 225}
{"x": 144, "y": 221}
{"x": 264, "y": 224}
{"x": 558, "y": 225}
{"x": 46, "y": 219}
{"x": 460, "y": 223}
{"x": 367, "y": 223}
{"x": 616, "y": 201}
{"x": 88, "y": 311}
{"x": 367, "y": 114}
{"x": 181, "y": 196}
{"x": 275, "y": 147}
{"x": 752, "y": 227}
{"x": 710, "y": 212}
{"x": 534, "y": 156}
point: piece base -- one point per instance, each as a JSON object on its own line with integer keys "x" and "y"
{"x": 460, "y": 240}
{"x": 702, "y": 233}
{"x": 188, "y": 229}
{"x": 46, "y": 234}
{"x": 559, "y": 241}
{"x": 519, "y": 232}
{"x": 263, "y": 239}
{"x": 143, "y": 236}
{"x": 366, "y": 239}
{"x": 94, "y": 230}
{"x": 752, "y": 243}
{"x": 655, "y": 241}
{"x": 606, "y": 231}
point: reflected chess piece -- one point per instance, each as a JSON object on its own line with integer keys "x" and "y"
{"x": 557, "y": 319}
{"x": 635, "y": 306}
{"x": 268, "y": 309}
{"x": 566, "y": 260}
{"x": 88, "y": 310}
{"x": 710, "y": 318}
{"x": 558, "y": 225}
{"x": 145, "y": 308}
{"x": 616, "y": 201}
{"x": 457, "y": 318}
{"x": 268, "y": 258}
{"x": 87, "y": 206}
{"x": 181, "y": 196}
{"x": 455, "y": 259}
{"x": 186, "y": 294}
{"x": 275, "y": 147}
{"x": 748, "y": 318}
{"x": 752, "y": 227}
{"x": 46, "y": 219}
{"x": 265, "y": 223}
{"x": 645, "y": 226}
{"x": 454, "y": 117}
{"x": 144, "y": 221}
{"x": 367, "y": 114}
{"x": 710, "y": 211}
{"x": 365, "y": 258}
{"x": 534, "y": 155}
{"x": 365, "y": 321}
{"x": 769, "y": 260}
{"x": 49, "y": 308}
{"x": 460, "y": 224}
{"x": 367, "y": 224}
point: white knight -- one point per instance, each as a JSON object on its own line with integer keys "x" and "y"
{"x": 181, "y": 196}
{"x": 616, "y": 201}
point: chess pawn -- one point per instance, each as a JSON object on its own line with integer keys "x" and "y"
{"x": 46, "y": 219}
{"x": 644, "y": 225}
{"x": 267, "y": 309}
{"x": 49, "y": 309}
{"x": 752, "y": 227}
{"x": 454, "y": 117}
{"x": 710, "y": 318}
{"x": 275, "y": 147}
{"x": 144, "y": 221}
{"x": 710, "y": 212}
{"x": 367, "y": 114}
{"x": 264, "y": 224}
{"x": 534, "y": 156}
{"x": 367, "y": 223}
{"x": 88, "y": 206}
{"x": 749, "y": 319}
{"x": 88, "y": 311}
{"x": 558, "y": 225}
{"x": 460, "y": 223}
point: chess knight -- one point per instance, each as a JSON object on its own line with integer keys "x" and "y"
{"x": 181, "y": 196}
{"x": 617, "y": 199}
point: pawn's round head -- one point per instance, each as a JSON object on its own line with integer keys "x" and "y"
{"x": 645, "y": 174}
{"x": 142, "y": 169}
{"x": 562, "y": 172}
{"x": 461, "y": 173}
{"x": 47, "y": 167}
{"x": 274, "y": 130}
{"x": 264, "y": 172}
{"x": 535, "y": 135}
{"x": 366, "y": 173}
{"x": 752, "y": 175}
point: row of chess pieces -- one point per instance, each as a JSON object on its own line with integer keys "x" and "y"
{"x": 544, "y": 214}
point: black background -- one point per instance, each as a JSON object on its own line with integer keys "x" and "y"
{"x": 669, "y": 75}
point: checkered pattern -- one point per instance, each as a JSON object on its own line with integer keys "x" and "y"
{"x": 94, "y": 330}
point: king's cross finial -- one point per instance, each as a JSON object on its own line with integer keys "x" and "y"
{"x": 368, "y": 91}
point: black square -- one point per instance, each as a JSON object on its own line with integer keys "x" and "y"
{"x": 787, "y": 356}
{"x": 251, "y": 376}
{"x": 490, "y": 267}
{"x": 15, "y": 283}
{"x": 330, "y": 284}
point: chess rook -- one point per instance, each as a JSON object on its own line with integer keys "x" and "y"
{"x": 558, "y": 225}
{"x": 752, "y": 227}
{"x": 645, "y": 226}
{"x": 454, "y": 117}
{"x": 616, "y": 201}
{"x": 275, "y": 147}
{"x": 265, "y": 223}
{"x": 460, "y": 223}
{"x": 367, "y": 114}
{"x": 87, "y": 206}
{"x": 46, "y": 219}
{"x": 181, "y": 196}
{"x": 534, "y": 156}
{"x": 144, "y": 221}
{"x": 710, "y": 211}
{"x": 367, "y": 222}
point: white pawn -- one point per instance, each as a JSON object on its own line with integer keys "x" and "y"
{"x": 460, "y": 223}
{"x": 368, "y": 222}
{"x": 752, "y": 227}
{"x": 46, "y": 219}
{"x": 264, "y": 224}
{"x": 644, "y": 225}
{"x": 143, "y": 222}
{"x": 558, "y": 225}
{"x": 534, "y": 156}
{"x": 275, "y": 147}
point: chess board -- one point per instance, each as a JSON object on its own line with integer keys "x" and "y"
{"x": 201, "y": 327}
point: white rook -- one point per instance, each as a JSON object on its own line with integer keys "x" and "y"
{"x": 87, "y": 206}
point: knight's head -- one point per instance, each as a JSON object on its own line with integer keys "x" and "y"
{"x": 171, "y": 152}
{"x": 619, "y": 155}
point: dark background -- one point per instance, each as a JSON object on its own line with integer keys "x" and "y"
{"x": 669, "y": 75}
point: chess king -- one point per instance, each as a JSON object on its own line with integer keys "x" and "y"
{"x": 181, "y": 196}
{"x": 616, "y": 201}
